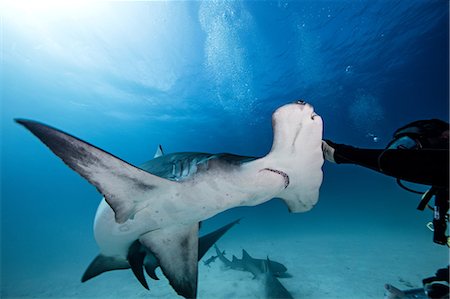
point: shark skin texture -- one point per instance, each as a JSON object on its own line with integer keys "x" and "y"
{"x": 162, "y": 202}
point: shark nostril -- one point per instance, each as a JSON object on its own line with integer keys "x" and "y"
{"x": 300, "y": 102}
{"x": 313, "y": 115}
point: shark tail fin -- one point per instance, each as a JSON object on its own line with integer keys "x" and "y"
{"x": 125, "y": 187}
{"x": 103, "y": 263}
{"x": 217, "y": 250}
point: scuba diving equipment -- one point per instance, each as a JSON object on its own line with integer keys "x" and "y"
{"x": 426, "y": 134}
{"x": 421, "y": 134}
{"x": 440, "y": 213}
{"x": 440, "y": 217}
{"x": 437, "y": 286}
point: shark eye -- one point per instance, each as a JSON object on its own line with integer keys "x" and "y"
{"x": 300, "y": 102}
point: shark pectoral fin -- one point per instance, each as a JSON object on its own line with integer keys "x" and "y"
{"x": 103, "y": 263}
{"x": 136, "y": 259}
{"x": 124, "y": 186}
{"x": 176, "y": 249}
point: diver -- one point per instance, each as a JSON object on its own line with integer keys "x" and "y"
{"x": 418, "y": 153}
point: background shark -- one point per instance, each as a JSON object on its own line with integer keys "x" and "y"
{"x": 247, "y": 263}
{"x": 265, "y": 270}
{"x": 162, "y": 203}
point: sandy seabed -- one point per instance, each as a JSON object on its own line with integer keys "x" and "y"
{"x": 326, "y": 265}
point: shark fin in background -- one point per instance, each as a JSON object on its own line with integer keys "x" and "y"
{"x": 126, "y": 188}
{"x": 208, "y": 240}
{"x": 245, "y": 255}
{"x": 103, "y": 264}
{"x": 176, "y": 249}
{"x": 136, "y": 258}
{"x": 159, "y": 152}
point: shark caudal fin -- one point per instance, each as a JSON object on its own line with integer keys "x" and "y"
{"x": 125, "y": 187}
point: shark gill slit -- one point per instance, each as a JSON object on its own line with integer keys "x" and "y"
{"x": 282, "y": 173}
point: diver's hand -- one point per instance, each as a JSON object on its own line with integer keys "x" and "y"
{"x": 328, "y": 150}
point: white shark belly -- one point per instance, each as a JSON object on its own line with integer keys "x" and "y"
{"x": 204, "y": 196}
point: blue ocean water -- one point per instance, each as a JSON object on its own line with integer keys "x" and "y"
{"x": 206, "y": 76}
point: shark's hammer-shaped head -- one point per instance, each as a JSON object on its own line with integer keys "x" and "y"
{"x": 296, "y": 153}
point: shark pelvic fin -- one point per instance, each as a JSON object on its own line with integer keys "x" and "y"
{"x": 150, "y": 265}
{"x": 125, "y": 187}
{"x": 176, "y": 249}
{"x": 136, "y": 259}
{"x": 103, "y": 264}
{"x": 159, "y": 152}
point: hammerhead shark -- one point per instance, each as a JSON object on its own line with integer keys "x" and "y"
{"x": 263, "y": 269}
{"x": 162, "y": 202}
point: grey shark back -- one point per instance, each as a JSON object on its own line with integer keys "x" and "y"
{"x": 250, "y": 264}
{"x": 181, "y": 166}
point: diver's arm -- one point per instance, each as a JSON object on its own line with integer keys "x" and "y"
{"x": 424, "y": 166}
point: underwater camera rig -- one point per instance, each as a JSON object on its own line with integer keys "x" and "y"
{"x": 440, "y": 214}
{"x": 420, "y": 135}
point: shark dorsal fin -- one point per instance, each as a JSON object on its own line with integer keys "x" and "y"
{"x": 159, "y": 152}
{"x": 235, "y": 259}
{"x": 245, "y": 255}
{"x": 265, "y": 265}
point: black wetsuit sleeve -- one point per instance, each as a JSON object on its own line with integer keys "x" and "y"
{"x": 424, "y": 166}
